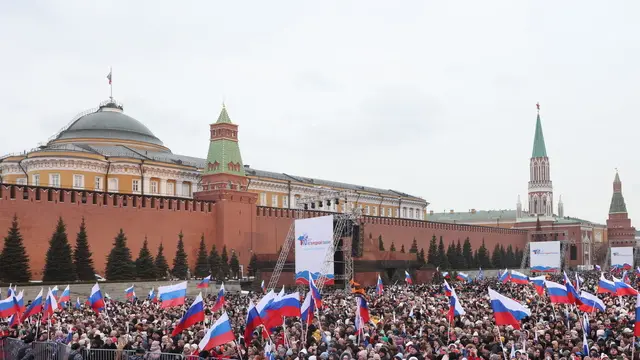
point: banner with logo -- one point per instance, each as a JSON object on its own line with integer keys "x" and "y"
{"x": 622, "y": 258}
{"x": 314, "y": 238}
{"x": 544, "y": 256}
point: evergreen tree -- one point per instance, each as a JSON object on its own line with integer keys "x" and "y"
{"x": 496, "y": 258}
{"x": 441, "y": 257}
{"x": 482, "y": 259}
{"x": 82, "y": 256}
{"x": 519, "y": 255}
{"x": 145, "y": 267}
{"x": 180, "y": 265}
{"x": 467, "y": 254}
{"x": 414, "y": 247}
{"x": 253, "y": 265}
{"x": 162, "y": 266}
{"x": 234, "y": 265}
{"x": 59, "y": 262}
{"x": 202, "y": 264}
{"x": 14, "y": 261}
{"x": 393, "y": 246}
{"x": 119, "y": 263}
{"x": 510, "y": 257}
{"x": 503, "y": 255}
{"x": 452, "y": 257}
{"x": 421, "y": 258}
{"x": 380, "y": 243}
{"x": 224, "y": 263}
{"x": 402, "y": 248}
{"x": 460, "y": 260}
{"x": 432, "y": 253}
{"x": 475, "y": 260}
{"x": 214, "y": 263}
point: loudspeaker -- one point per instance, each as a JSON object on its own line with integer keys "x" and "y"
{"x": 328, "y": 202}
{"x": 306, "y": 207}
{"x": 337, "y": 201}
{"x": 319, "y": 203}
{"x": 313, "y": 205}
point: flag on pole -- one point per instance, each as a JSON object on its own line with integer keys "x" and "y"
{"x": 109, "y": 76}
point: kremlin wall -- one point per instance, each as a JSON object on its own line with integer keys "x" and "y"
{"x": 110, "y": 170}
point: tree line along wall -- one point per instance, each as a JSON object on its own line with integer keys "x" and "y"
{"x": 38, "y": 210}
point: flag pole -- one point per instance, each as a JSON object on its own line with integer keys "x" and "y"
{"x": 110, "y": 83}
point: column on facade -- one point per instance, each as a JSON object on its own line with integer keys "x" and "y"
{"x": 163, "y": 186}
{"x": 178, "y": 189}
{"x": 146, "y": 186}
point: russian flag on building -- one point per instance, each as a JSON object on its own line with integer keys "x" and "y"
{"x": 447, "y": 288}
{"x": 636, "y": 326}
{"x": 219, "y": 300}
{"x": 50, "y": 305}
{"x": 606, "y": 286}
{"x": 172, "y": 295}
{"x": 538, "y": 283}
{"x": 379, "y": 286}
{"x": 96, "y": 301}
{"x": 623, "y": 289}
{"x": 455, "y": 306}
{"x": 8, "y": 307}
{"x": 504, "y": 276}
{"x": 572, "y": 294}
{"x": 407, "y": 278}
{"x": 306, "y": 310}
{"x": 219, "y": 334}
{"x": 194, "y": 315}
{"x": 315, "y": 293}
{"x": 463, "y": 277}
{"x": 507, "y": 311}
{"x": 519, "y": 278}
{"x": 557, "y": 293}
{"x": 204, "y": 283}
{"x": 35, "y": 307}
{"x": 253, "y": 321}
{"x": 65, "y": 297}
{"x": 590, "y": 302}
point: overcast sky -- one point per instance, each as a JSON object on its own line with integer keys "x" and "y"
{"x": 433, "y": 98}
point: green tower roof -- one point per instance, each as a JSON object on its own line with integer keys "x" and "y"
{"x": 539, "y": 149}
{"x": 617, "y": 200}
{"x": 224, "y": 154}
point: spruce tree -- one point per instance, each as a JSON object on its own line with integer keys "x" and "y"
{"x": 496, "y": 258}
{"x": 58, "y": 265}
{"x": 467, "y": 254}
{"x": 162, "y": 266}
{"x": 432, "y": 253}
{"x": 202, "y": 263}
{"x": 414, "y": 247}
{"x": 441, "y": 257}
{"x": 380, "y": 243}
{"x": 519, "y": 254}
{"x": 392, "y": 247}
{"x": 253, "y": 265}
{"x": 510, "y": 257}
{"x": 224, "y": 263}
{"x": 145, "y": 266}
{"x": 82, "y": 256}
{"x": 214, "y": 263}
{"x": 14, "y": 261}
{"x": 475, "y": 263}
{"x": 460, "y": 260}
{"x": 421, "y": 258}
{"x": 452, "y": 257}
{"x": 180, "y": 265}
{"x": 402, "y": 249}
{"x": 234, "y": 265}
{"x": 120, "y": 266}
{"x": 482, "y": 259}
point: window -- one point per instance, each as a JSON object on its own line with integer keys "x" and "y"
{"x": 263, "y": 199}
{"x": 154, "y": 187}
{"x": 78, "y": 181}
{"x": 389, "y": 212}
{"x": 54, "y": 180}
{"x": 36, "y": 179}
{"x": 113, "y": 185}
{"x": 411, "y": 213}
{"x": 21, "y": 181}
{"x": 170, "y": 188}
{"x": 274, "y": 200}
{"x": 366, "y": 210}
{"x": 186, "y": 189}
{"x": 397, "y": 212}
{"x": 404, "y": 212}
{"x": 98, "y": 183}
{"x": 135, "y": 186}
{"x": 375, "y": 211}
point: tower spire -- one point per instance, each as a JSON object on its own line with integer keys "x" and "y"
{"x": 617, "y": 200}
{"x": 539, "y": 148}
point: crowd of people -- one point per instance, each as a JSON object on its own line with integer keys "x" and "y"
{"x": 407, "y": 322}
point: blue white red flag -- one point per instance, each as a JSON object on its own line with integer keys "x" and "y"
{"x": 219, "y": 300}
{"x": 65, "y": 297}
{"x": 538, "y": 283}
{"x": 204, "y": 283}
{"x": 606, "y": 286}
{"x": 463, "y": 277}
{"x": 557, "y": 293}
{"x": 447, "y": 288}
{"x": 636, "y": 326}
{"x": 504, "y": 277}
{"x": 264, "y": 289}
{"x": 307, "y": 309}
{"x": 315, "y": 293}
{"x": 379, "y": 286}
{"x": 590, "y": 302}
{"x": 172, "y": 295}
{"x": 35, "y": 307}
{"x": 128, "y": 292}
{"x": 219, "y": 334}
{"x": 194, "y": 315}
{"x": 572, "y": 293}
{"x": 455, "y": 306}
{"x": 407, "y": 278}
{"x": 96, "y": 301}
{"x": 50, "y": 305}
{"x": 519, "y": 278}
{"x": 507, "y": 311}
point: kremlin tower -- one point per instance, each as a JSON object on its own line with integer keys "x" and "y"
{"x": 540, "y": 186}
{"x": 619, "y": 229}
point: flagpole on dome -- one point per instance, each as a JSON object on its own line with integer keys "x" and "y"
{"x": 109, "y": 77}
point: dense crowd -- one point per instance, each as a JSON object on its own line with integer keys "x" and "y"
{"x": 408, "y": 322}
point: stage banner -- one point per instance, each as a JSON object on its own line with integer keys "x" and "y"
{"x": 544, "y": 256}
{"x": 622, "y": 258}
{"x": 314, "y": 238}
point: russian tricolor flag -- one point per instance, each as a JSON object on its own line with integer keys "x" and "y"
{"x": 572, "y": 294}
{"x": 172, "y": 295}
{"x": 54, "y": 291}
{"x": 264, "y": 289}
{"x": 606, "y": 286}
{"x": 590, "y": 302}
{"x": 128, "y": 292}
{"x": 623, "y": 288}
{"x": 204, "y": 283}
{"x": 315, "y": 293}
{"x": 557, "y": 293}
{"x": 379, "y": 286}
{"x": 194, "y": 315}
{"x": 219, "y": 334}
{"x": 219, "y": 300}
{"x": 455, "y": 306}
{"x": 519, "y": 278}
{"x": 65, "y": 297}
{"x": 507, "y": 311}
{"x": 35, "y": 307}
{"x": 152, "y": 295}
{"x": 96, "y": 301}
{"x": 20, "y": 300}
{"x": 50, "y": 305}
{"x": 253, "y": 321}
{"x": 306, "y": 310}
{"x": 504, "y": 276}
{"x": 8, "y": 307}
{"x": 363, "y": 309}
{"x": 407, "y": 278}
{"x": 538, "y": 283}
{"x": 288, "y": 305}
{"x": 447, "y": 288}
{"x": 463, "y": 277}
{"x": 78, "y": 304}
{"x": 636, "y": 326}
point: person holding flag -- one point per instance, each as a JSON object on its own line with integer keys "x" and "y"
{"x": 219, "y": 300}
{"x": 379, "y": 286}
{"x": 407, "y": 278}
